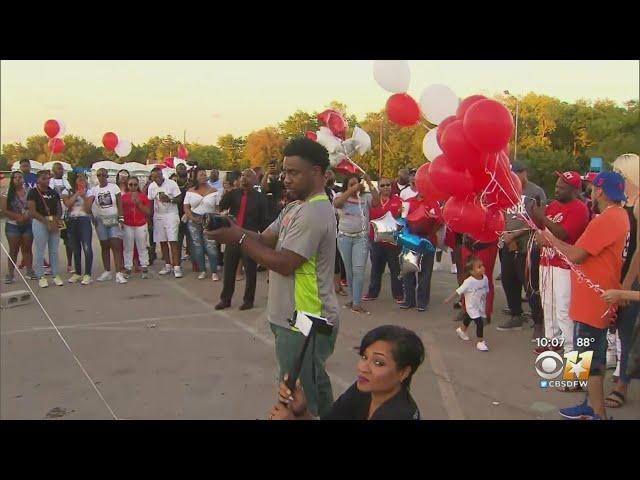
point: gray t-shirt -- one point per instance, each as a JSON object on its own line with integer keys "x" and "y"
{"x": 527, "y": 201}
{"x": 308, "y": 229}
{"x": 354, "y": 214}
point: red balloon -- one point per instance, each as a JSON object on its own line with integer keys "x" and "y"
{"x": 457, "y": 148}
{"x": 323, "y": 117}
{"x": 493, "y": 226}
{"x": 56, "y": 145}
{"x": 505, "y": 194}
{"x": 402, "y": 110}
{"x": 168, "y": 161}
{"x": 182, "y": 152}
{"x": 311, "y": 135}
{"x": 447, "y": 179}
{"x": 51, "y": 128}
{"x": 346, "y": 167}
{"x": 337, "y": 125}
{"x": 491, "y": 167}
{"x": 464, "y": 215}
{"x": 442, "y": 127}
{"x": 488, "y": 125}
{"x": 425, "y": 186}
{"x": 110, "y": 141}
{"x": 466, "y": 103}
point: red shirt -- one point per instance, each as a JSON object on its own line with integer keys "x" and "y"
{"x": 392, "y": 205}
{"x": 243, "y": 208}
{"x": 573, "y": 217}
{"x": 133, "y": 216}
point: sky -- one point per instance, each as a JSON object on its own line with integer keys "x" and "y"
{"x": 209, "y": 98}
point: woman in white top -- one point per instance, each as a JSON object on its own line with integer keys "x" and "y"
{"x": 199, "y": 200}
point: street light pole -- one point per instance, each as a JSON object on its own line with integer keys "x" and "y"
{"x": 515, "y": 140}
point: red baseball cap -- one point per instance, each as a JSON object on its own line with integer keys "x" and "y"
{"x": 571, "y": 178}
{"x": 590, "y": 176}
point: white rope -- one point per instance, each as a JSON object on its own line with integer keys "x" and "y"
{"x": 60, "y": 334}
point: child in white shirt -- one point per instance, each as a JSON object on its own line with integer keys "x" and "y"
{"x": 475, "y": 289}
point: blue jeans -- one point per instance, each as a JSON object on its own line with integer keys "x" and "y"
{"x": 423, "y": 293}
{"x": 80, "y": 233}
{"x": 354, "y": 252}
{"x": 625, "y": 321}
{"x": 42, "y": 238}
{"x": 200, "y": 243}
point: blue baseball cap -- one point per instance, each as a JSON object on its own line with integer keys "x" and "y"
{"x": 612, "y": 184}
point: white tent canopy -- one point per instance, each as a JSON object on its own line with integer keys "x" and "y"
{"x": 35, "y": 166}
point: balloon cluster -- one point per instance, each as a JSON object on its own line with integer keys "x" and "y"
{"x": 112, "y": 143}
{"x": 332, "y": 136}
{"x": 54, "y": 130}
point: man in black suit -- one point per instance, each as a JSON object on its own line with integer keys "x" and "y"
{"x": 249, "y": 208}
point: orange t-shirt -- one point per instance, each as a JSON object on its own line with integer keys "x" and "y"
{"x": 604, "y": 239}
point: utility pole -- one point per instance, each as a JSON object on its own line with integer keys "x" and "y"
{"x": 184, "y": 138}
{"x": 381, "y": 140}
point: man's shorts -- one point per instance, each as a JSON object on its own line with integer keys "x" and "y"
{"x": 105, "y": 233}
{"x": 165, "y": 229}
{"x": 585, "y": 338}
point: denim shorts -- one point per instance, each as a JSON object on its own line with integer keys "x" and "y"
{"x": 595, "y": 340}
{"x": 11, "y": 229}
{"x": 105, "y": 233}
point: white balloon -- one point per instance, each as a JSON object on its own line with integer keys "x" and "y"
{"x": 336, "y": 158}
{"x": 430, "y": 146}
{"x": 328, "y": 140}
{"x": 392, "y": 75}
{"x": 362, "y": 139}
{"x": 62, "y": 128}
{"x": 349, "y": 147}
{"x": 437, "y": 102}
{"x": 123, "y": 148}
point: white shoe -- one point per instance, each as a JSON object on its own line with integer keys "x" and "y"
{"x": 167, "y": 269}
{"x": 482, "y": 346}
{"x": 105, "y": 276}
{"x": 75, "y": 278}
{"x": 58, "y": 281}
{"x": 202, "y": 275}
{"x": 454, "y": 268}
{"x": 462, "y": 334}
{"x": 43, "y": 283}
{"x": 177, "y": 272}
{"x": 120, "y": 278}
{"x": 86, "y": 280}
{"x": 215, "y": 277}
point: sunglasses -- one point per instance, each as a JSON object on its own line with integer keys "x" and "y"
{"x": 133, "y": 184}
{"x": 385, "y": 185}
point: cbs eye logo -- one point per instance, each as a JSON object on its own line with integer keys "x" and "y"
{"x": 548, "y": 365}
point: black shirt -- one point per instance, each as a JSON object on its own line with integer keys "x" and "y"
{"x": 630, "y": 245}
{"x": 274, "y": 196}
{"x": 354, "y": 405}
{"x": 183, "y": 189}
{"x": 50, "y": 196}
{"x": 255, "y": 216}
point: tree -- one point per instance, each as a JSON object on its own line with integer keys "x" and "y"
{"x": 233, "y": 148}
{"x": 264, "y": 145}
{"x": 296, "y": 124}
{"x": 207, "y": 156}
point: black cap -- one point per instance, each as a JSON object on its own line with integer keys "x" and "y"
{"x": 518, "y": 167}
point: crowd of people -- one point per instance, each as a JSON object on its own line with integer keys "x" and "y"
{"x": 316, "y": 238}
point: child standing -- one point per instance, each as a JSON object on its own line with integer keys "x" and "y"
{"x": 475, "y": 289}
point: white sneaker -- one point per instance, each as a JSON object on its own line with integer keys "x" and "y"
{"x": 202, "y": 275}
{"x": 43, "y": 283}
{"x": 58, "y": 281}
{"x": 75, "y": 278}
{"x": 120, "y": 278}
{"x": 462, "y": 334}
{"x": 215, "y": 277}
{"x": 177, "y": 272}
{"x": 105, "y": 276}
{"x": 167, "y": 269}
{"x": 454, "y": 268}
{"x": 482, "y": 346}
{"x": 86, "y": 280}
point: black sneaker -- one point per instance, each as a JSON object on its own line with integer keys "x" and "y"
{"x": 513, "y": 324}
{"x": 405, "y": 306}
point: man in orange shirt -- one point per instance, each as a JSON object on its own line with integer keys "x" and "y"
{"x": 598, "y": 254}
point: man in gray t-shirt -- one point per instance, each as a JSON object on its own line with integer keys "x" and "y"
{"x": 299, "y": 249}
{"x": 513, "y": 256}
